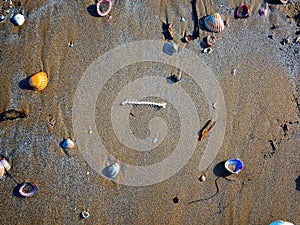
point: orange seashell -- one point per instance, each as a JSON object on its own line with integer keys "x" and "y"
{"x": 38, "y": 81}
{"x": 2, "y": 170}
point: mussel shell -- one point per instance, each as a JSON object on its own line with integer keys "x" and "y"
{"x": 112, "y": 171}
{"x": 170, "y": 48}
{"x": 242, "y": 11}
{"x": 38, "y": 81}
{"x": 18, "y": 19}
{"x": 5, "y": 164}
{"x": 28, "y": 194}
{"x": 214, "y": 23}
{"x": 67, "y": 144}
{"x": 238, "y": 164}
{"x": 103, "y": 13}
{"x": 281, "y": 222}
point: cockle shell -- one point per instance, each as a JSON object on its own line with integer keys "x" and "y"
{"x": 214, "y": 23}
{"x": 113, "y": 170}
{"x": 242, "y": 11}
{"x": 281, "y": 222}
{"x": 38, "y": 81}
{"x": 67, "y": 144}
{"x": 5, "y": 164}
{"x": 2, "y": 170}
{"x": 103, "y": 13}
{"x": 18, "y": 19}
{"x": 234, "y": 165}
{"x": 29, "y": 193}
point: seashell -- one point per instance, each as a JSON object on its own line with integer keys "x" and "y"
{"x": 263, "y": 10}
{"x": 211, "y": 40}
{"x": 38, "y": 81}
{"x": 100, "y": 11}
{"x": 281, "y": 222}
{"x": 2, "y": 170}
{"x": 234, "y": 165}
{"x": 85, "y": 214}
{"x": 67, "y": 144}
{"x": 284, "y": 1}
{"x": 214, "y": 23}
{"x": 242, "y": 11}
{"x": 112, "y": 171}
{"x": 18, "y": 19}
{"x": 26, "y": 193}
{"x": 5, "y": 164}
{"x": 188, "y": 38}
{"x": 202, "y": 178}
{"x": 170, "y": 48}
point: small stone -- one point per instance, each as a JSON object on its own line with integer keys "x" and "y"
{"x": 175, "y": 200}
{"x": 202, "y": 178}
{"x": 71, "y": 44}
{"x": 182, "y": 19}
{"x": 270, "y": 36}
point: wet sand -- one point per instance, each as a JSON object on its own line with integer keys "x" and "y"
{"x": 262, "y": 126}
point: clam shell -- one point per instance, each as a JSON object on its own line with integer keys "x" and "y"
{"x": 242, "y": 11}
{"x": 18, "y": 19}
{"x": 67, "y": 144}
{"x": 214, "y": 23}
{"x": 234, "y": 165}
{"x": 112, "y": 171}
{"x": 170, "y": 48}
{"x": 30, "y": 193}
{"x": 85, "y": 214}
{"x": 2, "y": 170}
{"x": 103, "y": 13}
{"x": 38, "y": 81}
{"x": 5, "y": 164}
{"x": 281, "y": 222}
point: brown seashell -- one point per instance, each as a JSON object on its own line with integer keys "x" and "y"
{"x": 202, "y": 178}
{"x": 38, "y": 81}
{"x": 214, "y": 23}
{"x": 2, "y": 170}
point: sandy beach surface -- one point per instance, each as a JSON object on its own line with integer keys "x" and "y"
{"x": 256, "y": 61}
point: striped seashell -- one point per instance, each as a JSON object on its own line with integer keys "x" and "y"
{"x": 2, "y": 170}
{"x": 214, "y": 23}
{"x": 38, "y": 81}
{"x": 5, "y": 164}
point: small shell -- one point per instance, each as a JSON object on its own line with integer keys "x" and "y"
{"x": 113, "y": 170}
{"x": 67, "y": 144}
{"x": 30, "y": 193}
{"x": 188, "y": 38}
{"x": 214, "y": 23}
{"x": 234, "y": 165}
{"x": 242, "y": 11}
{"x": 211, "y": 40}
{"x": 170, "y": 48}
{"x": 284, "y": 1}
{"x": 38, "y": 81}
{"x": 2, "y": 170}
{"x": 100, "y": 12}
{"x": 5, "y": 164}
{"x": 202, "y": 178}
{"x": 85, "y": 214}
{"x": 281, "y": 222}
{"x": 18, "y": 19}
{"x": 263, "y": 10}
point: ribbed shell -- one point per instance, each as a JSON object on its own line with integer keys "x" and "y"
{"x": 214, "y": 23}
{"x": 38, "y": 81}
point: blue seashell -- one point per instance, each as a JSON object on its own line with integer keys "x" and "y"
{"x": 30, "y": 193}
{"x": 112, "y": 171}
{"x": 234, "y": 165}
{"x": 281, "y": 222}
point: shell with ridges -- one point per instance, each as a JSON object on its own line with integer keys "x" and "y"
{"x": 5, "y": 164}
{"x": 38, "y": 81}
{"x": 214, "y": 23}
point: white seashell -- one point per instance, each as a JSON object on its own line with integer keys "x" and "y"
{"x": 281, "y": 222}
{"x": 5, "y": 164}
{"x": 170, "y": 48}
{"x": 214, "y": 23}
{"x": 85, "y": 214}
{"x": 29, "y": 193}
{"x": 2, "y": 170}
{"x": 18, "y": 19}
{"x": 112, "y": 171}
{"x": 234, "y": 165}
{"x": 67, "y": 144}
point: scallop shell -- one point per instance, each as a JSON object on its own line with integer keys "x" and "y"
{"x": 281, "y": 222}
{"x": 38, "y": 81}
{"x": 30, "y": 193}
{"x": 214, "y": 23}
{"x": 234, "y": 165}
{"x": 18, "y": 19}
{"x": 112, "y": 171}
{"x": 67, "y": 144}
{"x": 103, "y": 13}
{"x": 2, "y": 170}
{"x": 242, "y": 11}
{"x": 5, "y": 164}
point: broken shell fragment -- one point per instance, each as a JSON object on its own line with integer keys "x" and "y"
{"x": 170, "y": 48}
{"x": 5, "y": 164}
{"x": 67, "y": 144}
{"x": 103, "y": 7}
{"x": 263, "y": 10}
{"x": 38, "y": 81}
{"x": 85, "y": 214}
{"x": 208, "y": 50}
{"x": 211, "y": 40}
{"x": 2, "y": 170}
{"x": 234, "y": 165}
{"x": 28, "y": 189}
{"x": 242, "y": 11}
{"x": 281, "y": 222}
{"x": 188, "y": 38}
{"x": 18, "y": 19}
{"x": 112, "y": 171}
{"x": 214, "y": 23}
{"x": 202, "y": 178}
